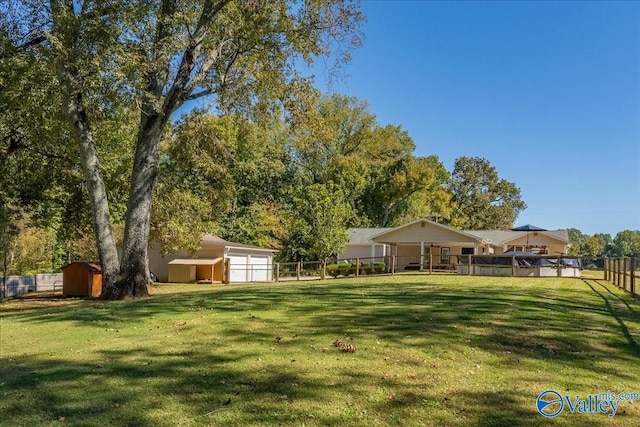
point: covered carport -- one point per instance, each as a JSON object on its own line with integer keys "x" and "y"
{"x": 183, "y": 270}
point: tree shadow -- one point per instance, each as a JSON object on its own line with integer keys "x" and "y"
{"x": 141, "y": 386}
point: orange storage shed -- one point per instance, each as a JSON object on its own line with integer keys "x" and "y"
{"x": 82, "y": 279}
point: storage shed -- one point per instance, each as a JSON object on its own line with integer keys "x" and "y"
{"x": 82, "y": 279}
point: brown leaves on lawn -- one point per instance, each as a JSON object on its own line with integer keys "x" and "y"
{"x": 344, "y": 347}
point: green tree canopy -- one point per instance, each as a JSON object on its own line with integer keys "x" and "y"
{"x": 157, "y": 55}
{"x": 482, "y": 199}
{"x": 626, "y": 243}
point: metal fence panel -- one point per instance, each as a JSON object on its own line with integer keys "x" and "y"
{"x": 12, "y": 286}
{"x": 48, "y": 282}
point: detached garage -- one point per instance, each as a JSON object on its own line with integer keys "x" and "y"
{"x": 217, "y": 261}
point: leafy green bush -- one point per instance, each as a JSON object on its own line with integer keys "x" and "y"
{"x": 345, "y": 268}
{"x": 342, "y": 268}
{"x": 379, "y": 267}
{"x": 365, "y": 268}
{"x": 372, "y": 268}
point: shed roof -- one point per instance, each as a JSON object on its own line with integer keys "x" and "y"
{"x": 89, "y": 265}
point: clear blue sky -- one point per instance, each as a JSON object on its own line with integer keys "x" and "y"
{"x": 548, "y": 92}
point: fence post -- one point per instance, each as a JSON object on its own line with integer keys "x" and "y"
{"x": 627, "y": 267}
{"x": 277, "y": 272}
{"x": 430, "y": 262}
{"x": 298, "y": 268}
{"x": 226, "y": 272}
{"x": 558, "y": 267}
{"x": 513, "y": 266}
{"x": 469, "y": 265}
{"x": 621, "y": 273}
{"x": 632, "y": 270}
{"x": 323, "y": 269}
{"x": 393, "y": 265}
{"x": 605, "y": 264}
{"x": 357, "y": 267}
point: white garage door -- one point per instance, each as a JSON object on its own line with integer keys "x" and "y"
{"x": 238, "y": 268}
{"x": 260, "y": 269}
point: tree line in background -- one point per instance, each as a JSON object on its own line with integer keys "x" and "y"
{"x": 625, "y": 243}
{"x": 296, "y": 187}
{"x": 291, "y": 185}
{"x": 87, "y": 140}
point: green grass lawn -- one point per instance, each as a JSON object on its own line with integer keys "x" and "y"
{"x": 430, "y": 350}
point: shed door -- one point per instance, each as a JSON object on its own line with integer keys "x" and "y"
{"x": 238, "y": 268}
{"x": 260, "y": 269}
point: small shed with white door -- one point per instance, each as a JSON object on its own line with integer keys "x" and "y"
{"x": 244, "y": 263}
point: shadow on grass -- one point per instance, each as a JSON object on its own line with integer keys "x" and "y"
{"x": 155, "y": 391}
{"x": 631, "y": 342}
{"x": 144, "y": 386}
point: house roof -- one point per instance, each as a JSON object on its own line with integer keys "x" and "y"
{"x": 362, "y": 236}
{"x": 211, "y": 240}
{"x": 438, "y": 232}
{"x": 502, "y": 237}
{"x": 195, "y": 261}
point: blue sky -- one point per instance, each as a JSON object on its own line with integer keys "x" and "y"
{"x": 548, "y": 92}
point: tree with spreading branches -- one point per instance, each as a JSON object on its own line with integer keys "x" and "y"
{"x": 155, "y": 57}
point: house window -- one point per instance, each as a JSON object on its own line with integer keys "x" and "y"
{"x": 444, "y": 255}
{"x": 466, "y": 251}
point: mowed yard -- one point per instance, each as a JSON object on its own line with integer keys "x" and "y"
{"x": 439, "y": 350}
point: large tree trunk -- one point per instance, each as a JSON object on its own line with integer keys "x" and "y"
{"x": 101, "y": 216}
{"x": 66, "y": 29}
{"x": 134, "y": 277}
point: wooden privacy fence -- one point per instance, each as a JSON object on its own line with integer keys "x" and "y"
{"x": 624, "y": 273}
